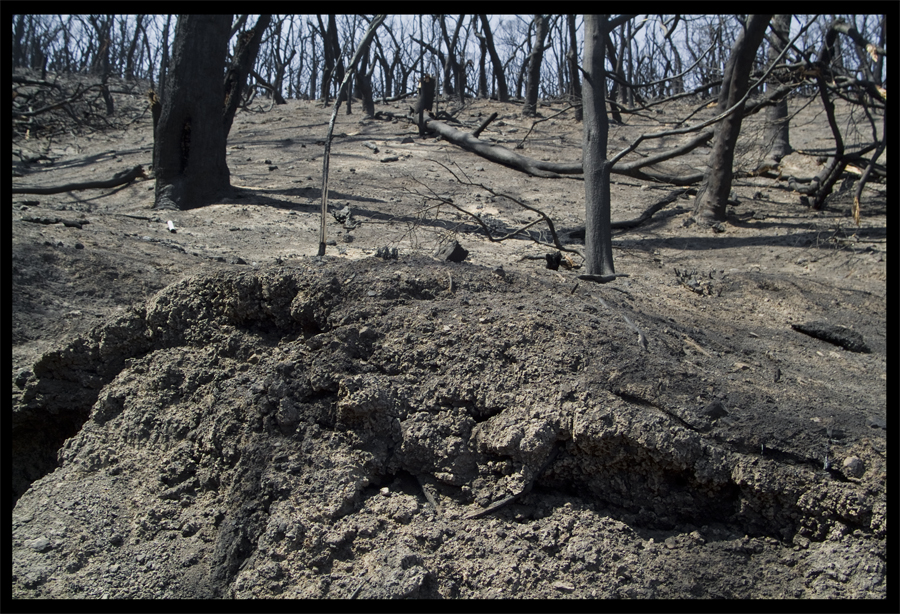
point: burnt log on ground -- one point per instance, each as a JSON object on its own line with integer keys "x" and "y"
{"x": 556, "y": 170}
{"x": 117, "y": 180}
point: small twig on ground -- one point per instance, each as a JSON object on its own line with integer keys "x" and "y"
{"x": 642, "y": 338}
{"x": 428, "y": 495}
{"x": 521, "y": 144}
{"x": 527, "y": 489}
{"x": 355, "y": 592}
{"x": 542, "y": 216}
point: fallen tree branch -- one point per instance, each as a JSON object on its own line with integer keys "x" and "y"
{"x": 477, "y": 132}
{"x": 500, "y": 154}
{"x": 117, "y": 180}
{"x": 527, "y": 489}
{"x": 556, "y": 170}
{"x": 37, "y": 219}
{"x": 78, "y": 94}
{"x": 648, "y": 213}
{"x": 542, "y": 217}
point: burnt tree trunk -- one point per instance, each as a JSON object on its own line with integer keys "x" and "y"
{"x": 189, "y": 158}
{"x": 572, "y": 60}
{"x": 425, "y": 100}
{"x": 482, "y": 74}
{"x": 597, "y": 219}
{"x": 451, "y": 66}
{"x": 777, "y": 125}
{"x": 364, "y": 82}
{"x": 534, "y": 65}
{"x": 502, "y": 90}
{"x": 242, "y": 62}
{"x": 713, "y": 193}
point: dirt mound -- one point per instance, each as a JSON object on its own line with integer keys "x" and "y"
{"x": 339, "y": 429}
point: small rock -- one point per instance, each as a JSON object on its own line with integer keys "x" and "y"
{"x": 390, "y": 159}
{"x": 79, "y": 246}
{"x": 22, "y": 376}
{"x": 564, "y": 587}
{"x": 715, "y": 410}
{"x": 385, "y": 492}
{"x": 873, "y": 422}
{"x": 452, "y": 252}
{"x": 853, "y": 467}
{"x": 41, "y": 544}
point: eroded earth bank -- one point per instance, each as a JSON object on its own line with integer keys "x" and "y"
{"x": 329, "y": 430}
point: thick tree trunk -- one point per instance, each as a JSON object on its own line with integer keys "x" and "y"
{"x": 598, "y": 238}
{"x": 502, "y": 90}
{"x": 534, "y": 66}
{"x": 713, "y": 194}
{"x": 190, "y": 162}
{"x": 777, "y": 126}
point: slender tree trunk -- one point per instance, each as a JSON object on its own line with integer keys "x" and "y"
{"x": 241, "y": 64}
{"x": 534, "y": 65}
{"x": 777, "y": 126}
{"x": 713, "y": 193}
{"x": 502, "y": 90}
{"x": 572, "y": 59}
{"x": 190, "y": 162}
{"x": 597, "y": 217}
{"x": 482, "y": 73}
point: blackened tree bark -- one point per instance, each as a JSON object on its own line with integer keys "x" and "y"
{"x": 334, "y": 62}
{"x": 572, "y": 61}
{"x": 777, "y": 125}
{"x": 451, "y": 65}
{"x": 101, "y": 65}
{"x": 242, "y": 61}
{"x": 597, "y": 217}
{"x": 502, "y": 90}
{"x": 713, "y": 193}
{"x": 189, "y": 158}
{"x": 482, "y": 73}
{"x": 534, "y": 65}
{"x": 164, "y": 61}
{"x": 364, "y": 82}
{"x": 132, "y": 47}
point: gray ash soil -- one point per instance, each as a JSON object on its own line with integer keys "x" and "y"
{"x": 213, "y": 413}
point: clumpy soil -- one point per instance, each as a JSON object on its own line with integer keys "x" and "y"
{"x": 216, "y": 413}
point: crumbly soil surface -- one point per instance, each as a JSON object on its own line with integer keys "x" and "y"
{"x": 215, "y": 412}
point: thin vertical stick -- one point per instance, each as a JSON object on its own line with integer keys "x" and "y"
{"x": 363, "y": 45}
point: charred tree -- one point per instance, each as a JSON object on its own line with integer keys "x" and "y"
{"x": 597, "y": 217}
{"x": 451, "y": 65}
{"x": 425, "y": 102}
{"x": 482, "y": 73}
{"x": 713, "y": 193}
{"x": 242, "y": 62}
{"x": 534, "y": 65}
{"x": 572, "y": 62}
{"x": 189, "y": 158}
{"x": 502, "y": 90}
{"x": 777, "y": 124}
